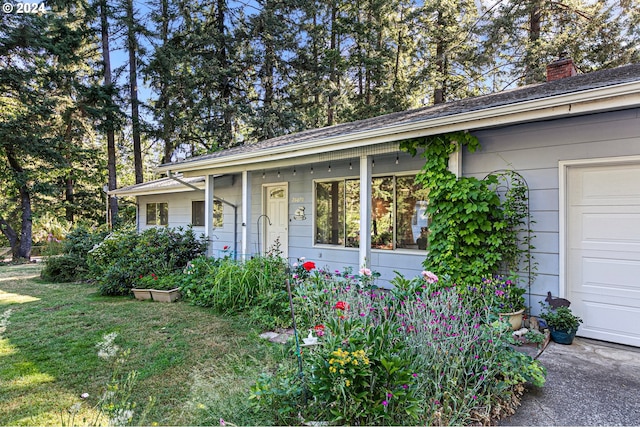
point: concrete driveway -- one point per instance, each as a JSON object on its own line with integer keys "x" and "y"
{"x": 589, "y": 383}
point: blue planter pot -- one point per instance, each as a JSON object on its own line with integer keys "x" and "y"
{"x": 562, "y": 337}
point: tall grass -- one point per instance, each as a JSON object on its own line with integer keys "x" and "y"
{"x": 230, "y": 286}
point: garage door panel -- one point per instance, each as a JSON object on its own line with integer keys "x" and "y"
{"x": 603, "y": 258}
{"x": 613, "y": 280}
{"x": 597, "y": 185}
{"x": 611, "y": 228}
{"x": 606, "y": 321}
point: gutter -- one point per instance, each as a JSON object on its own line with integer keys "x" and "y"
{"x": 582, "y": 102}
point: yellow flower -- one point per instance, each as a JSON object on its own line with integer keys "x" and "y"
{"x": 342, "y": 371}
{"x": 355, "y": 362}
{"x": 347, "y": 383}
{"x": 332, "y": 369}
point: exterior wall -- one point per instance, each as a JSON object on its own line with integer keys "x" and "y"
{"x": 301, "y": 236}
{"x": 226, "y": 188}
{"x": 534, "y": 151}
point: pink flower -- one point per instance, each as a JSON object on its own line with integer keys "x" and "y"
{"x": 385, "y": 403}
{"x": 429, "y": 277}
{"x": 365, "y": 272}
{"x": 319, "y": 330}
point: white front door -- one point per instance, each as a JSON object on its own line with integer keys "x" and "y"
{"x": 603, "y": 249}
{"x": 276, "y": 224}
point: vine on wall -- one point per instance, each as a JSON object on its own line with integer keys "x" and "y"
{"x": 473, "y": 233}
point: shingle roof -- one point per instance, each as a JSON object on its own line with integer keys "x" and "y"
{"x": 582, "y": 82}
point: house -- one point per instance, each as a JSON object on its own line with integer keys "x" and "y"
{"x": 575, "y": 140}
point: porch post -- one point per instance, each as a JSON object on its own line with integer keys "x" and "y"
{"x": 246, "y": 214}
{"x": 208, "y": 213}
{"x": 364, "y": 256}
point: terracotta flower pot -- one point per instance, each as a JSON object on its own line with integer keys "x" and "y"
{"x": 515, "y": 318}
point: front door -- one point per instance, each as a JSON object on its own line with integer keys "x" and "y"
{"x": 276, "y": 223}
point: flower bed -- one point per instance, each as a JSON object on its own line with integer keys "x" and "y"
{"x": 417, "y": 355}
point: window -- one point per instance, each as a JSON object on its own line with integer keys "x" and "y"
{"x": 398, "y": 213}
{"x": 197, "y": 213}
{"x": 412, "y": 223}
{"x": 218, "y": 214}
{"x": 157, "y": 213}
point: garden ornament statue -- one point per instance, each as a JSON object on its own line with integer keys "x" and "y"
{"x": 556, "y": 302}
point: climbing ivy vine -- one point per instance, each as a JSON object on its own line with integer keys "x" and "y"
{"x": 473, "y": 234}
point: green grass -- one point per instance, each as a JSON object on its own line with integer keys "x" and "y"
{"x": 196, "y": 365}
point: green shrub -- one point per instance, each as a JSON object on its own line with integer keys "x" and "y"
{"x": 230, "y": 286}
{"x": 72, "y": 265}
{"x": 119, "y": 261}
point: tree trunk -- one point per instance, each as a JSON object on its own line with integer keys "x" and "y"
{"x": 12, "y": 237}
{"x": 268, "y": 73}
{"x": 333, "y": 77}
{"x": 26, "y": 231}
{"x": 225, "y": 84}
{"x": 534, "y": 37}
{"x": 164, "y": 101}
{"x": 69, "y": 198}
{"x": 438, "y": 93}
{"x": 112, "y": 183}
{"x": 22, "y": 247}
{"x": 132, "y": 47}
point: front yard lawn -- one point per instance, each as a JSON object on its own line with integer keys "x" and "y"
{"x": 197, "y": 366}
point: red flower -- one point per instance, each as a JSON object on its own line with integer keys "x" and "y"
{"x": 341, "y": 305}
{"x": 319, "y": 328}
{"x": 225, "y": 247}
{"x": 309, "y": 265}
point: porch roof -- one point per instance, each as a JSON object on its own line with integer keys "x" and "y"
{"x": 161, "y": 186}
{"x": 603, "y": 90}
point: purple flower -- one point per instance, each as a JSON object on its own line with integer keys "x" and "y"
{"x": 385, "y": 403}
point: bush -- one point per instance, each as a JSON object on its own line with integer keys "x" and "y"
{"x": 72, "y": 265}
{"x": 123, "y": 257}
{"x": 230, "y": 286}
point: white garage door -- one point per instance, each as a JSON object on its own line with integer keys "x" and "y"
{"x": 603, "y": 250}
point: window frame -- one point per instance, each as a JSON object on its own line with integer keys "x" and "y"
{"x": 344, "y": 180}
{"x": 157, "y": 214}
{"x": 218, "y": 217}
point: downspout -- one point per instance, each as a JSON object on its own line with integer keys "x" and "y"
{"x": 235, "y": 211}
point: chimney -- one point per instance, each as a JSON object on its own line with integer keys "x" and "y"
{"x": 561, "y": 68}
